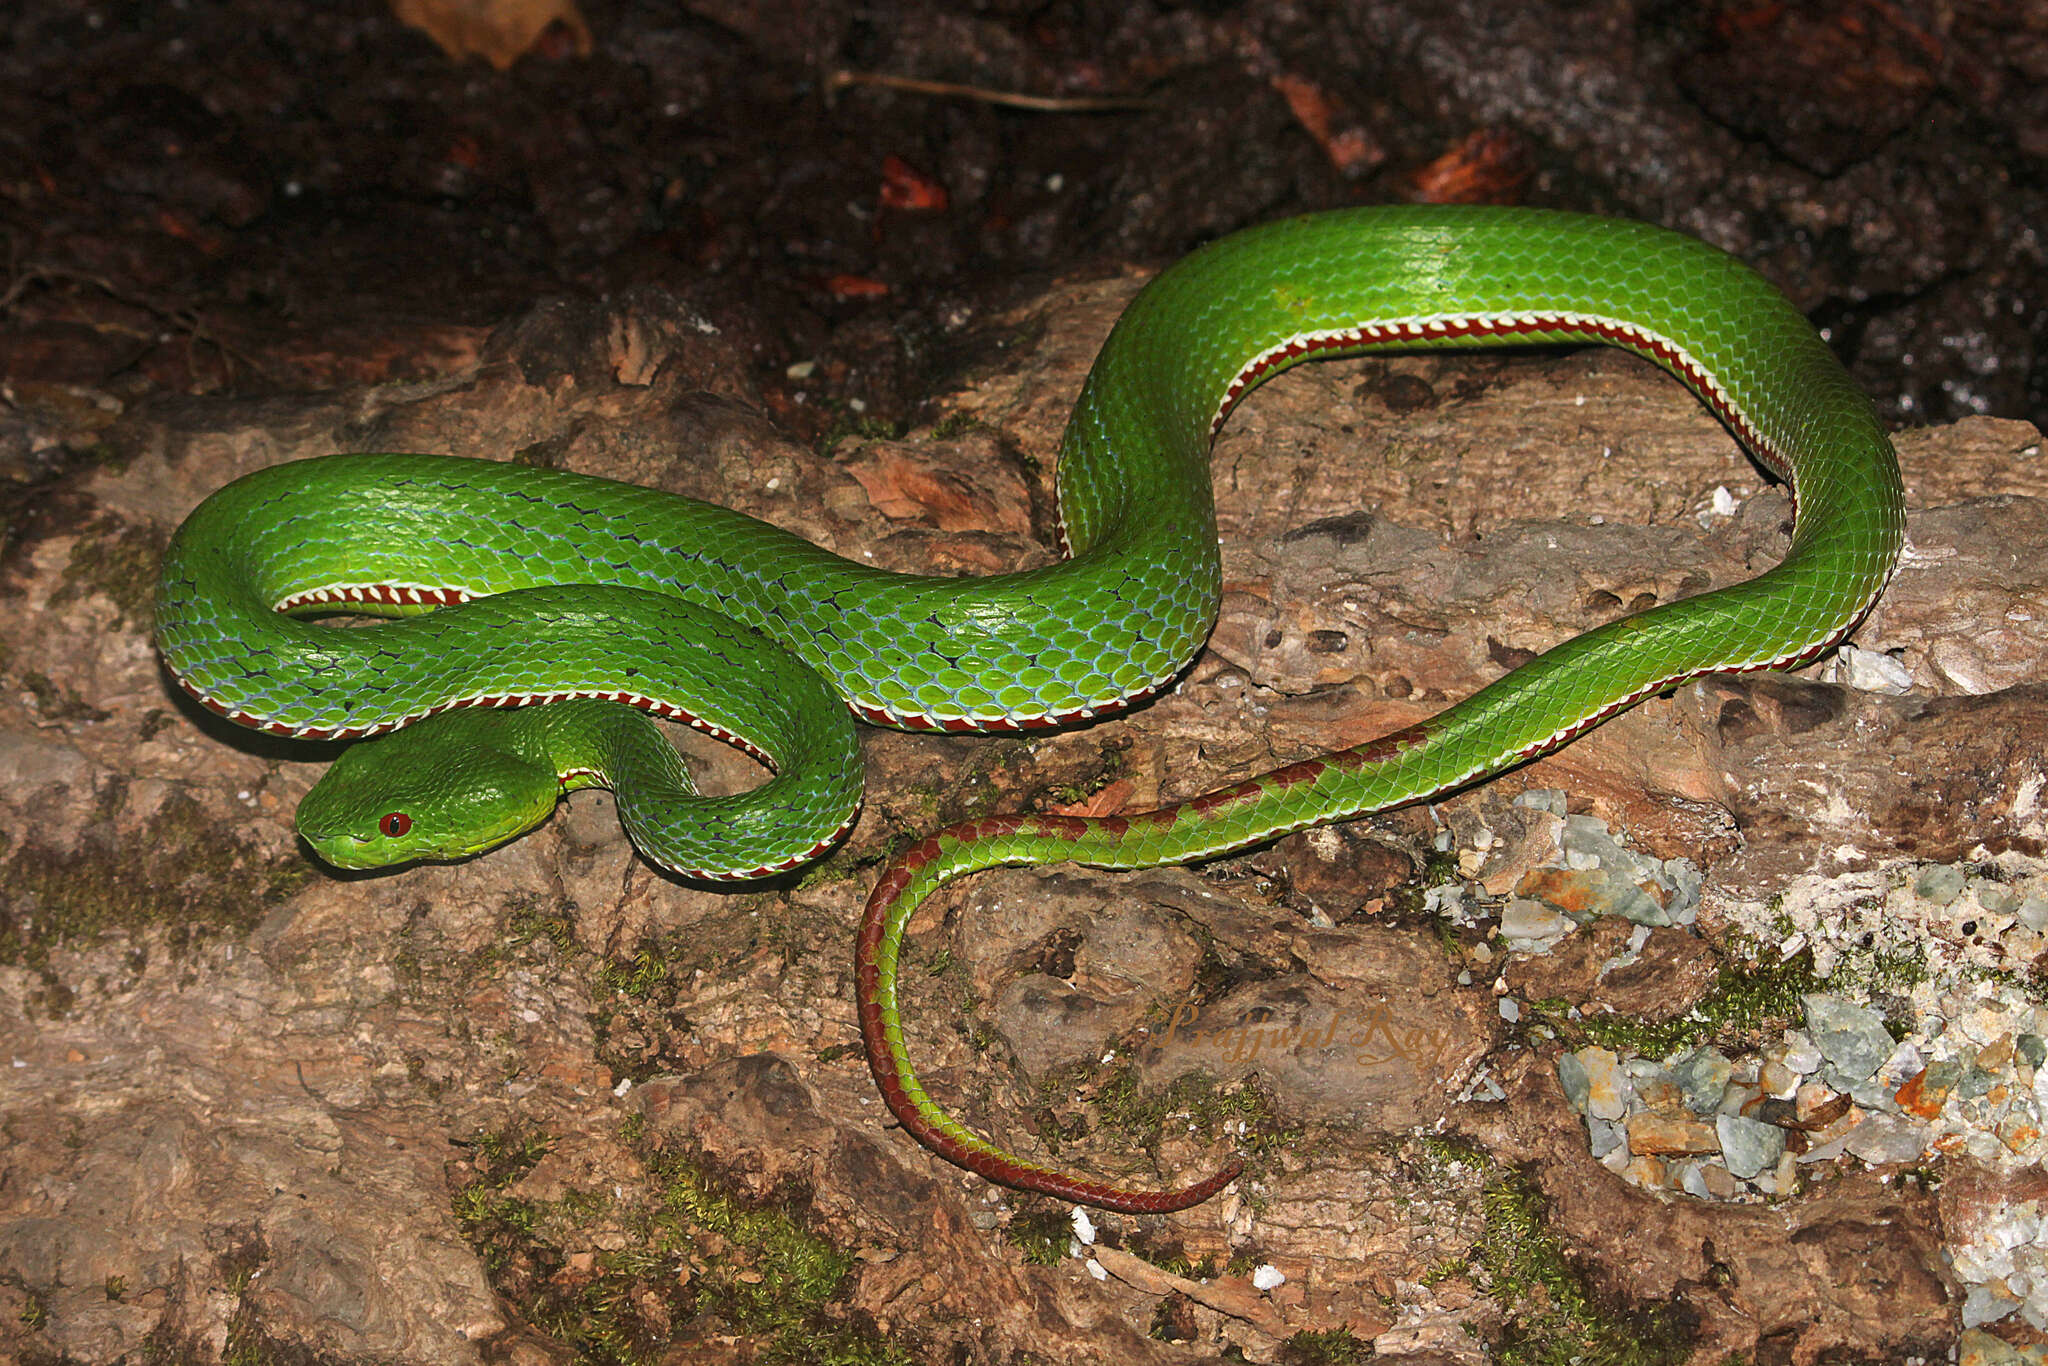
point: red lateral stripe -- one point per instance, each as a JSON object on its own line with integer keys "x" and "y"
{"x": 874, "y": 1027}
{"x": 271, "y": 726}
{"x": 1614, "y": 331}
{"x": 903, "y": 869}
{"x": 1388, "y": 746}
{"x": 1060, "y": 827}
{"x": 1305, "y": 771}
{"x": 1224, "y": 796}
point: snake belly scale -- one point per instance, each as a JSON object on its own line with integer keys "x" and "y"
{"x": 516, "y": 586}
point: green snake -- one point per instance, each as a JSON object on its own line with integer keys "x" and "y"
{"x": 511, "y": 586}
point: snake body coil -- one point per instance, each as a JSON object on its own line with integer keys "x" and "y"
{"x": 519, "y": 586}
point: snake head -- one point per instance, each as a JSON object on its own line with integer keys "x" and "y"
{"x": 447, "y": 787}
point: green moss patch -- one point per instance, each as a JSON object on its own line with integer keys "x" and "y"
{"x": 1552, "y": 1316}
{"x": 696, "y": 1262}
{"x": 180, "y": 870}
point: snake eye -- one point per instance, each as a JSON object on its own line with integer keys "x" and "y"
{"x": 394, "y": 824}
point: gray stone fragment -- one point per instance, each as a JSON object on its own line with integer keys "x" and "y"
{"x": 1589, "y": 844}
{"x": 1629, "y": 901}
{"x": 1939, "y": 1081}
{"x": 1527, "y": 921}
{"x": 1826, "y": 1152}
{"x": 1571, "y": 1075}
{"x": 1987, "y": 1303}
{"x": 1654, "y": 1086}
{"x": 1703, "y": 1075}
{"x": 1782, "y": 1179}
{"x": 1607, "y": 1090}
{"x": 1801, "y": 1055}
{"x": 1738, "y": 1094}
{"x": 1940, "y": 884}
{"x": 1886, "y": 1138}
{"x": 1852, "y": 1038}
{"x": 1749, "y": 1145}
{"x": 1549, "y": 799}
{"x": 1606, "y": 1136}
{"x": 1685, "y": 881}
{"x": 1905, "y": 1063}
{"x": 1615, "y": 878}
{"x": 1872, "y": 1093}
{"x": 1997, "y": 898}
{"x": 1487, "y": 1091}
{"x": 1975, "y": 1082}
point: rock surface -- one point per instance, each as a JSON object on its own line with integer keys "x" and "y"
{"x": 250, "y": 1102}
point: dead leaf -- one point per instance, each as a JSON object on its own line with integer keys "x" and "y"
{"x": 855, "y": 287}
{"x": 1351, "y": 150}
{"x": 905, "y": 187}
{"x": 1488, "y": 167}
{"x": 499, "y": 31}
{"x": 904, "y": 485}
{"x": 1107, "y": 802}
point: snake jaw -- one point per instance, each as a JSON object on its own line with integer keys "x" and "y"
{"x": 350, "y": 853}
{"x": 360, "y": 845}
{"x": 355, "y": 852}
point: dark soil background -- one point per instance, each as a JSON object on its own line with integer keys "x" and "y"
{"x": 245, "y": 196}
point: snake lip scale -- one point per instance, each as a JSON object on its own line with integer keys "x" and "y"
{"x": 528, "y": 603}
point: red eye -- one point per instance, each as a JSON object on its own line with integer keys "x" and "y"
{"x": 395, "y": 824}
